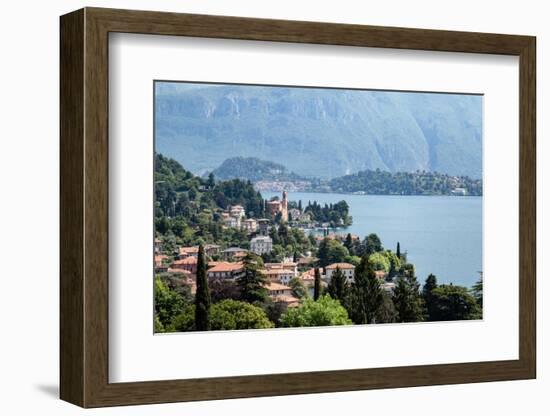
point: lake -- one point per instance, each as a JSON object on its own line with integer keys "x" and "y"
{"x": 441, "y": 234}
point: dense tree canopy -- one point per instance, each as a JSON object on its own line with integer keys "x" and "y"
{"x": 454, "y": 303}
{"x": 323, "y": 312}
{"x": 232, "y": 314}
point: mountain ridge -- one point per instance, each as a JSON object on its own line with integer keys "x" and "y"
{"x": 317, "y": 132}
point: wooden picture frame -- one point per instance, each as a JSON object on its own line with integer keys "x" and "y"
{"x": 84, "y": 207}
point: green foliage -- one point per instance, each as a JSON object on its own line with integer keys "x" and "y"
{"x": 235, "y": 192}
{"x": 379, "y": 261}
{"x": 252, "y": 283}
{"x": 378, "y": 182}
{"x": 367, "y": 297}
{"x": 188, "y": 208}
{"x": 317, "y": 284}
{"x": 331, "y": 251}
{"x": 372, "y": 244}
{"x": 175, "y": 282}
{"x": 323, "y": 312}
{"x": 221, "y": 289}
{"x": 274, "y": 311}
{"x": 202, "y": 297}
{"x": 335, "y": 214}
{"x": 168, "y": 304}
{"x": 454, "y": 303}
{"x": 429, "y": 286}
{"x": 408, "y": 302}
{"x": 386, "y": 313}
{"x": 477, "y": 292}
{"x": 233, "y": 314}
{"x": 298, "y": 289}
{"x": 158, "y": 325}
{"x": 184, "y": 322}
{"x": 338, "y": 287}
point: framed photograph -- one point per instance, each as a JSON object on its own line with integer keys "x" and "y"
{"x": 255, "y": 207}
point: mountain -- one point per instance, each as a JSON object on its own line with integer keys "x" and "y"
{"x": 319, "y": 132}
{"x": 253, "y": 169}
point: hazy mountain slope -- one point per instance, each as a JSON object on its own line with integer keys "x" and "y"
{"x": 319, "y": 132}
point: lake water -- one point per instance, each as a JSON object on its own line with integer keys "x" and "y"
{"x": 441, "y": 234}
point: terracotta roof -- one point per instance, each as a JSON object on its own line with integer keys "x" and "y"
{"x": 188, "y": 250}
{"x": 226, "y": 267}
{"x": 187, "y": 260}
{"x": 277, "y": 286}
{"x": 380, "y": 273}
{"x": 289, "y": 300}
{"x": 308, "y": 275}
{"x": 341, "y": 266}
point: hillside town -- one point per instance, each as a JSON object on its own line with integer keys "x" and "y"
{"x": 226, "y": 258}
{"x": 227, "y": 263}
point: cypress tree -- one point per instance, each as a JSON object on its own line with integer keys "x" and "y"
{"x": 398, "y": 250}
{"x": 202, "y": 297}
{"x": 317, "y": 284}
{"x": 367, "y": 294}
{"x": 407, "y": 299}
{"x": 338, "y": 286}
{"x": 252, "y": 283}
{"x": 348, "y": 243}
{"x": 429, "y": 285}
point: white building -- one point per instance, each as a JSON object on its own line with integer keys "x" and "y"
{"x": 261, "y": 244}
{"x": 250, "y": 225}
{"x": 348, "y": 270}
{"x": 237, "y": 211}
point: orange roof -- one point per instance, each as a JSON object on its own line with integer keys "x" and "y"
{"x": 309, "y": 274}
{"x": 289, "y": 300}
{"x": 341, "y": 266}
{"x": 160, "y": 257}
{"x": 188, "y": 250}
{"x": 187, "y": 260}
{"x": 226, "y": 267}
{"x": 277, "y": 286}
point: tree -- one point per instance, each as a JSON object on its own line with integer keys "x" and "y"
{"x": 317, "y": 284}
{"x": 298, "y": 289}
{"x": 338, "y": 286}
{"x": 348, "y": 243}
{"x": 331, "y": 251}
{"x": 221, "y": 289}
{"x": 386, "y": 313}
{"x": 252, "y": 283}
{"x": 454, "y": 303}
{"x": 184, "y": 322}
{"x": 429, "y": 286}
{"x": 274, "y": 311}
{"x": 211, "y": 182}
{"x": 202, "y": 297}
{"x": 407, "y": 300}
{"x": 372, "y": 244}
{"x": 477, "y": 292}
{"x": 168, "y": 304}
{"x": 233, "y": 314}
{"x": 398, "y": 250}
{"x": 323, "y": 312}
{"x": 379, "y": 261}
{"x": 367, "y": 296}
